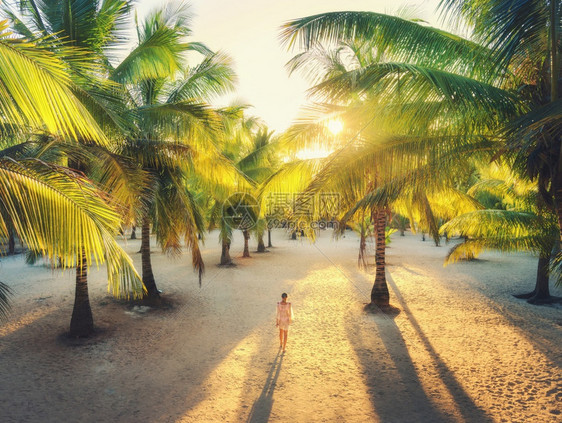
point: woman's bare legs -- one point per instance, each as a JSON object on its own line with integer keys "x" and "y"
{"x": 281, "y": 337}
{"x": 285, "y": 333}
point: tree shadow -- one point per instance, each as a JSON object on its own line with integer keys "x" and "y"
{"x": 527, "y": 319}
{"x": 149, "y": 356}
{"x": 396, "y": 392}
{"x": 261, "y": 409}
{"x": 466, "y": 406}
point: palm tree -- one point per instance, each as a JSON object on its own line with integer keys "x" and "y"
{"x": 63, "y": 215}
{"x": 78, "y": 34}
{"x": 507, "y": 230}
{"x": 173, "y": 129}
{"x": 257, "y": 165}
{"x": 516, "y": 46}
{"x": 37, "y": 196}
{"x": 247, "y": 144}
{"x": 392, "y": 134}
{"x": 519, "y": 226}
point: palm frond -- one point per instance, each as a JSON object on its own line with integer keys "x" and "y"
{"x": 214, "y": 76}
{"x": 513, "y": 29}
{"x": 176, "y": 214}
{"x": 36, "y": 91}
{"x": 176, "y": 119}
{"x": 417, "y": 84}
{"x": 5, "y": 293}
{"x": 505, "y": 230}
{"x": 60, "y": 214}
{"x": 544, "y": 121}
{"x": 158, "y": 56}
{"x": 393, "y": 37}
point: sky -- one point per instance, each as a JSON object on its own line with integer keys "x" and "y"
{"x": 247, "y": 30}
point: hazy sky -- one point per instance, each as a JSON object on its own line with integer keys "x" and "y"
{"x": 248, "y": 31}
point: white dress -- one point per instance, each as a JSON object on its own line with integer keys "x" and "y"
{"x": 284, "y": 315}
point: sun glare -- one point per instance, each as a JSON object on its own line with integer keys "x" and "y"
{"x": 313, "y": 153}
{"x": 335, "y": 126}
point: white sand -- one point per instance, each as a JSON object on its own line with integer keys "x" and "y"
{"x": 462, "y": 348}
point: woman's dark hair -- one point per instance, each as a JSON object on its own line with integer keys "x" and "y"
{"x": 283, "y": 295}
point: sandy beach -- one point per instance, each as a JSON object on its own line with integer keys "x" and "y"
{"x": 462, "y": 349}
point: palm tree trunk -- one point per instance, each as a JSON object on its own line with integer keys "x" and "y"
{"x": 362, "y": 245}
{"x": 554, "y": 71}
{"x": 261, "y": 244}
{"x": 147, "y": 275}
{"x": 380, "y": 296}
{"x": 134, "y": 232}
{"x": 246, "y": 247}
{"x": 225, "y": 254}
{"x": 82, "y": 321}
{"x": 541, "y": 293}
{"x": 11, "y": 241}
{"x": 269, "y": 245}
{"x": 542, "y": 290}
{"x": 557, "y": 190}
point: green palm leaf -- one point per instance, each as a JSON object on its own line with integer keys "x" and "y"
{"x": 5, "y": 293}
{"x": 501, "y": 230}
{"x": 36, "y": 92}
{"x": 417, "y": 84}
{"x": 497, "y": 224}
{"x": 214, "y": 76}
{"x": 178, "y": 117}
{"x": 515, "y": 30}
{"x": 393, "y": 38}
{"x": 158, "y": 56}
{"x": 59, "y": 213}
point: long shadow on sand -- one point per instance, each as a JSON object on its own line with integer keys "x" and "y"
{"x": 390, "y": 365}
{"x": 527, "y": 319}
{"x": 394, "y": 386}
{"x": 261, "y": 409}
{"x": 468, "y": 409}
{"x": 546, "y": 340}
{"x": 108, "y": 377}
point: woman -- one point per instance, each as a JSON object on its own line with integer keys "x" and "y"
{"x": 284, "y": 319}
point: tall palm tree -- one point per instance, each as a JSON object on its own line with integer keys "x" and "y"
{"x": 392, "y": 134}
{"x": 173, "y": 131}
{"x": 147, "y": 74}
{"x": 32, "y": 73}
{"x": 79, "y": 33}
{"x": 258, "y": 164}
{"x": 516, "y": 45}
{"x": 246, "y": 143}
{"x": 66, "y": 217}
